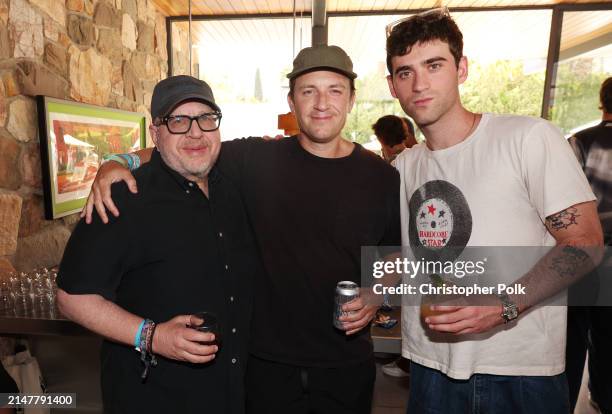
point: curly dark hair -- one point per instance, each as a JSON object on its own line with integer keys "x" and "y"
{"x": 422, "y": 29}
{"x": 605, "y": 95}
{"x": 390, "y": 129}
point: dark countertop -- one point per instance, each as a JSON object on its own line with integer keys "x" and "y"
{"x": 52, "y": 322}
{"x": 47, "y": 322}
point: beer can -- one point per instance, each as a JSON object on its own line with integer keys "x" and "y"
{"x": 346, "y": 291}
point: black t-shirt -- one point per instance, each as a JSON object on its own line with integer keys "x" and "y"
{"x": 171, "y": 251}
{"x": 311, "y": 216}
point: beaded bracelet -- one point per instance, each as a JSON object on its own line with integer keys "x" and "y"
{"x": 135, "y": 161}
{"x": 145, "y": 347}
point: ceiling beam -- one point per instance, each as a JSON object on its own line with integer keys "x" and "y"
{"x": 319, "y": 22}
{"x": 586, "y": 46}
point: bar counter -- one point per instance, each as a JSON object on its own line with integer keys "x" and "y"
{"x": 54, "y": 323}
{"x": 49, "y": 323}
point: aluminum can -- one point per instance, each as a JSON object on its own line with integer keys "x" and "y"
{"x": 346, "y": 291}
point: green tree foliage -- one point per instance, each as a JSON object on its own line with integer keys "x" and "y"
{"x": 503, "y": 88}
{"x": 500, "y": 87}
{"x": 373, "y": 101}
{"x": 365, "y": 113}
{"x": 576, "y": 100}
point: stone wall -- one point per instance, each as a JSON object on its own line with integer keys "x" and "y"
{"x": 103, "y": 52}
{"x": 180, "y": 51}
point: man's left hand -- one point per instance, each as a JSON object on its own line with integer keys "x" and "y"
{"x": 465, "y": 319}
{"x": 361, "y": 315}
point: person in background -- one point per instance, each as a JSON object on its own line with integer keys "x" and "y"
{"x": 589, "y": 327}
{"x": 485, "y": 180}
{"x": 182, "y": 245}
{"x": 395, "y": 134}
{"x": 313, "y": 199}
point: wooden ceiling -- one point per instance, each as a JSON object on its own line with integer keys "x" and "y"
{"x": 363, "y": 36}
{"x": 241, "y": 7}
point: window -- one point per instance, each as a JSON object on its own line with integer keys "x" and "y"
{"x": 585, "y": 60}
{"x": 506, "y": 52}
{"x": 245, "y": 61}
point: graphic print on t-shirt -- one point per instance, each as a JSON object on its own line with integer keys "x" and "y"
{"x": 434, "y": 223}
{"x": 439, "y": 217}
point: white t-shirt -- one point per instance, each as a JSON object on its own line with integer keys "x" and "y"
{"x": 506, "y": 177}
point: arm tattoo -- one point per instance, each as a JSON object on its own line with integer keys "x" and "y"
{"x": 563, "y": 219}
{"x": 570, "y": 262}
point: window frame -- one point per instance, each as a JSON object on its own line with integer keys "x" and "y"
{"x": 554, "y": 44}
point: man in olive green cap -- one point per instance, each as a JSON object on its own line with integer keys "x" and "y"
{"x": 313, "y": 200}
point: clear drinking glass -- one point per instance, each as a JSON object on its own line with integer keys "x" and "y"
{"x": 6, "y": 299}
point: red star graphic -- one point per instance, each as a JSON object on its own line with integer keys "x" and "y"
{"x": 432, "y": 209}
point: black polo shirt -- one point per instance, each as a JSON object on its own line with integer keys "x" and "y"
{"x": 171, "y": 251}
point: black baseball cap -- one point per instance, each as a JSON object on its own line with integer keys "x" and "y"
{"x": 170, "y": 92}
{"x": 322, "y": 57}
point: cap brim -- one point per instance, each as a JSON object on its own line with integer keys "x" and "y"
{"x": 348, "y": 74}
{"x": 193, "y": 97}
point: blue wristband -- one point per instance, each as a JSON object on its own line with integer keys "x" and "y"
{"x": 128, "y": 159}
{"x": 117, "y": 158}
{"x": 137, "y": 338}
{"x": 135, "y": 160}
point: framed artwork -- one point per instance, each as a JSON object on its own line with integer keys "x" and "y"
{"x": 74, "y": 138}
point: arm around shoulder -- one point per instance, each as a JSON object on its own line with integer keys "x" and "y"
{"x": 100, "y": 194}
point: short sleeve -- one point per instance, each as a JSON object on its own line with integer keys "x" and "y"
{"x": 97, "y": 254}
{"x": 552, "y": 174}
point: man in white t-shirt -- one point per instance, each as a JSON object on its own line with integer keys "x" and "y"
{"x": 484, "y": 180}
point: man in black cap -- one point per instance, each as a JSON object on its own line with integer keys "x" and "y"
{"x": 313, "y": 200}
{"x": 182, "y": 246}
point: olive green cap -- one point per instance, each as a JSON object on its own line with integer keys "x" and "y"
{"x": 323, "y": 58}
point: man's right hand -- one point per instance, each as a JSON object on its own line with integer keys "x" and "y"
{"x": 175, "y": 340}
{"x": 100, "y": 194}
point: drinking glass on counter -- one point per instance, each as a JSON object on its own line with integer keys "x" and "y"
{"x": 6, "y": 299}
{"x": 29, "y": 293}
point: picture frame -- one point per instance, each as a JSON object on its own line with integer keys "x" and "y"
{"x": 74, "y": 138}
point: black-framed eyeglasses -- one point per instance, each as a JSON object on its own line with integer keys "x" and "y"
{"x": 433, "y": 14}
{"x": 180, "y": 124}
